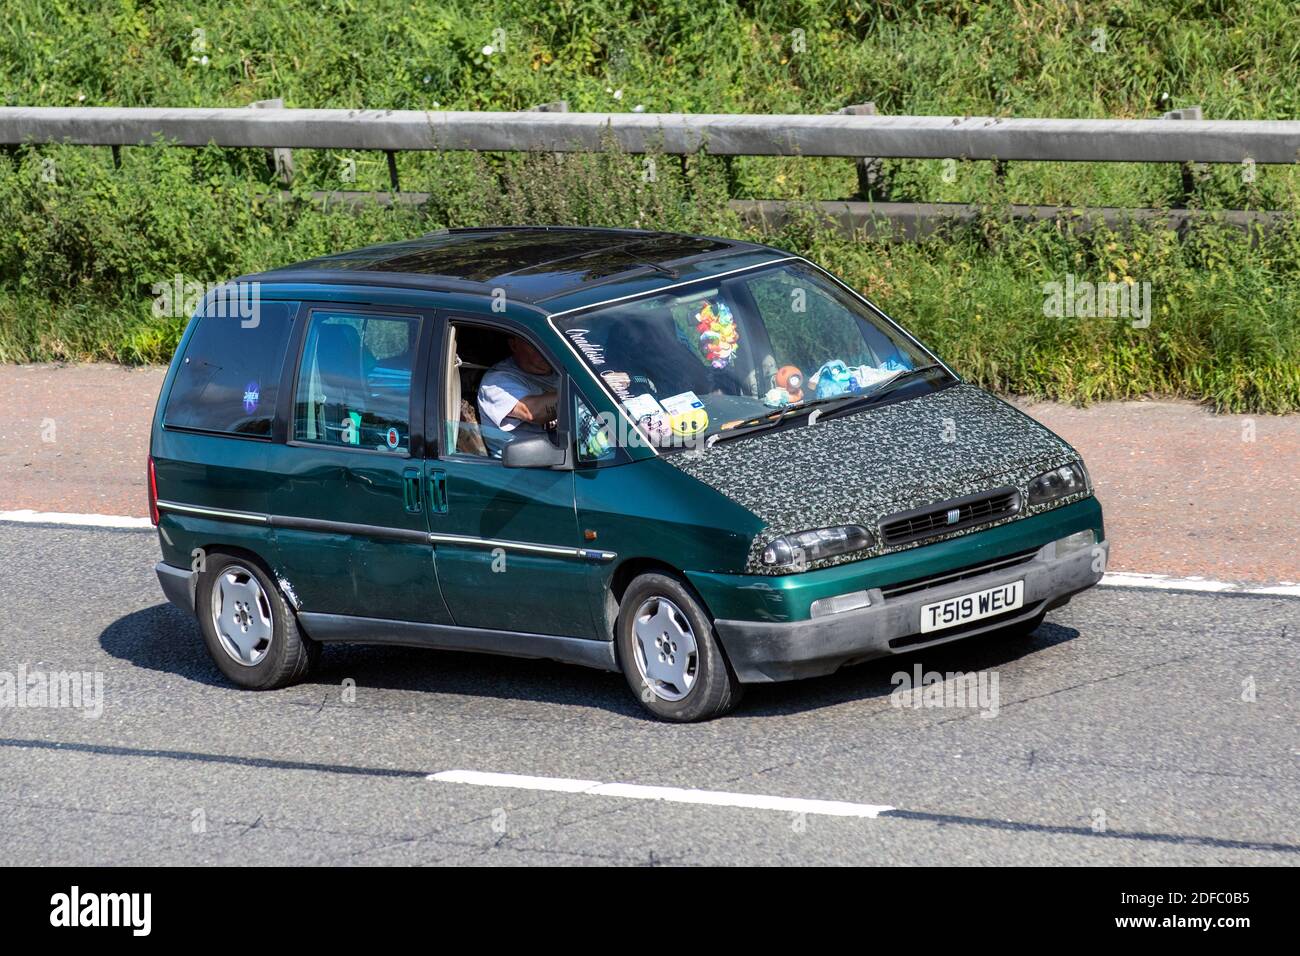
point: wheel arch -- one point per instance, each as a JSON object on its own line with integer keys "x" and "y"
{"x": 263, "y": 564}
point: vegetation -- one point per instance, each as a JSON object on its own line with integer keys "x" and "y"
{"x": 83, "y": 242}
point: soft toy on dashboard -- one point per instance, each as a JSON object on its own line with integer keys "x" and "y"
{"x": 718, "y": 334}
{"x": 791, "y": 379}
{"x": 833, "y": 378}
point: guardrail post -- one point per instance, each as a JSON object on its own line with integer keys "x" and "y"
{"x": 280, "y": 159}
{"x": 1192, "y": 173}
{"x": 871, "y": 174}
{"x": 392, "y": 170}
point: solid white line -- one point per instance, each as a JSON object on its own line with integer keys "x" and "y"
{"x": 27, "y": 516}
{"x": 632, "y": 791}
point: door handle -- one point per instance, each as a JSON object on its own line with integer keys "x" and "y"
{"x": 411, "y": 497}
{"x": 438, "y": 491}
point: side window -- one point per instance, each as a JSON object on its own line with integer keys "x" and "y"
{"x": 489, "y": 373}
{"x": 354, "y": 383}
{"x": 227, "y": 380}
{"x": 595, "y": 437}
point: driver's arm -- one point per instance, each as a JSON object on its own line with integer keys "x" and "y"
{"x": 536, "y": 408}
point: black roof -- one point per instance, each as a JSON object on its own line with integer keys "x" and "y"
{"x": 531, "y": 263}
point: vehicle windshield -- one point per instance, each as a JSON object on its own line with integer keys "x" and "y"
{"x": 728, "y": 353}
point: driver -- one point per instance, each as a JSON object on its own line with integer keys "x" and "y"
{"x": 518, "y": 395}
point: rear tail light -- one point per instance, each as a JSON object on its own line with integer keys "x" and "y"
{"x": 153, "y": 492}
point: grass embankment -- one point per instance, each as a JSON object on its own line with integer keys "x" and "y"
{"x": 78, "y": 254}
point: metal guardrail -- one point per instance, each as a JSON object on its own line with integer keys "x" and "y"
{"x": 838, "y": 134}
{"x": 855, "y": 132}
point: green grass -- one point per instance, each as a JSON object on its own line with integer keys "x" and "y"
{"x": 78, "y": 255}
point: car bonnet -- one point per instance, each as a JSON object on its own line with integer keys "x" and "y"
{"x": 865, "y": 466}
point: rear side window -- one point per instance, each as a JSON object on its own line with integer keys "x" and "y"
{"x": 227, "y": 381}
{"x": 354, "y": 384}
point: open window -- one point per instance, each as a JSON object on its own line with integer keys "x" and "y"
{"x": 485, "y": 376}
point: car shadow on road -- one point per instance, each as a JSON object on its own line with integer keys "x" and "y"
{"x": 162, "y": 638}
{"x": 874, "y": 679}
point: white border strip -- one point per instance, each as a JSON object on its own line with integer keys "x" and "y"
{"x": 632, "y": 791}
{"x": 27, "y": 516}
{"x": 1164, "y": 582}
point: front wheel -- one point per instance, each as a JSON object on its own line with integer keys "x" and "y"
{"x": 251, "y": 632}
{"x": 669, "y": 655}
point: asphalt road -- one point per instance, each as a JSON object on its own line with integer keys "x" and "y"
{"x": 1122, "y": 737}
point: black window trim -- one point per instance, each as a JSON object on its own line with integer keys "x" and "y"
{"x": 426, "y": 320}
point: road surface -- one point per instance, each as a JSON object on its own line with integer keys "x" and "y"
{"x": 1134, "y": 727}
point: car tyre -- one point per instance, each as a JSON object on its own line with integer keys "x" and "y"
{"x": 669, "y": 654}
{"x": 251, "y": 631}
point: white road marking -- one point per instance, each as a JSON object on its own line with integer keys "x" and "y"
{"x": 27, "y": 516}
{"x": 1114, "y": 579}
{"x": 1165, "y": 582}
{"x": 632, "y": 791}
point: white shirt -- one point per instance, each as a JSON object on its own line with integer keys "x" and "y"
{"x": 502, "y": 387}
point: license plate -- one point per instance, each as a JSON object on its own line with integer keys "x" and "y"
{"x": 972, "y": 607}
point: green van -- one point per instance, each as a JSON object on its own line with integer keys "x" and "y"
{"x": 703, "y": 462}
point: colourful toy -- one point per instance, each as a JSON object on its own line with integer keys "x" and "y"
{"x": 791, "y": 379}
{"x": 719, "y": 337}
{"x": 833, "y": 378}
{"x": 689, "y": 423}
{"x": 776, "y": 398}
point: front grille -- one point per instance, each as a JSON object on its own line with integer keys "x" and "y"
{"x": 971, "y": 571}
{"x": 948, "y": 516}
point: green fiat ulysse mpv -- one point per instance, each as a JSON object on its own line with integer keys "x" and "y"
{"x": 703, "y": 462}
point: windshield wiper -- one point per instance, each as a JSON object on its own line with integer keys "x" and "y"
{"x": 777, "y": 416}
{"x": 886, "y": 386}
{"x": 849, "y": 400}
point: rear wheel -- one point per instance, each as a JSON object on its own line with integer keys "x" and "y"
{"x": 668, "y": 652}
{"x": 251, "y": 632}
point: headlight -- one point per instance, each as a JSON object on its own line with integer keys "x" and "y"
{"x": 1057, "y": 483}
{"x": 801, "y": 549}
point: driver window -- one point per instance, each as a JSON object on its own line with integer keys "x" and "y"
{"x": 500, "y": 387}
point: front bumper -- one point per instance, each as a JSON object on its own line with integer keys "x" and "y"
{"x": 766, "y": 651}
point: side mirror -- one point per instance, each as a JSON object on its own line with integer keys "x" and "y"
{"x": 537, "y": 451}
